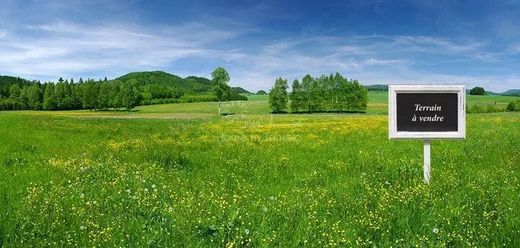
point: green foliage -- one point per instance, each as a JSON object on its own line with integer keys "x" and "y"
{"x": 164, "y": 85}
{"x": 199, "y": 98}
{"x": 128, "y": 91}
{"x": 513, "y": 106}
{"x": 477, "y": 91}
{"x": 278, "y": 97}
{"x": 219, "y": 82}
{"x": 297, "y": 97}
{"x": 328, "y": 94}
{"x": 221, "y": 89}
{"x": 261, "y": 92}
{"x": 49, "y": 102}
{"x": 240, "y": 90}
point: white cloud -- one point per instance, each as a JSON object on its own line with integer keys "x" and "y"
{"x": 371, "y": 59}
{"x": 62, "y": 48}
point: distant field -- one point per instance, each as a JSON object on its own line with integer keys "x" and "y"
{"x": 179, "y": 175}
{"x": 378, "y": 104}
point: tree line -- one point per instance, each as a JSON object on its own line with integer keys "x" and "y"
{"x": 332, "y": 93}
{"x": 69, "y": 95}
{"x": 122, "y": 93}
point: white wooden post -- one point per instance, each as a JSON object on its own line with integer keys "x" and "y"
{"x": 427, "y": 161}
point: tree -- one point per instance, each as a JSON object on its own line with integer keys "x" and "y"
{"x": 49, "y": 100}
{"x": 59, "y": 94}
{"x": 90, "y": 94}
{"x": 130, "y": 95}
{"x": 306, "y": 87}
{"x": 328, "y": 93}
{"x": 477, "y": 91}
{"x": 297, "y": 97}
{"x": 14, "y": 91}
{"x": 219, "y": 82}
{"x": 34, "y": 97}
{"x": 261, "y": 92}
{"x": 278, "y": 97}
{"x": 104, "y": 95}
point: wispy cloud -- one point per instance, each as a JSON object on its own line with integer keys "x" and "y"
{"x": 61, "y": 48}
{"x": 64, "y": 48}
{"x": 372, "y": 59}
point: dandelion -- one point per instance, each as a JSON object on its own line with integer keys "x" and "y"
{"x": 246, "y": 231}
{"x": 82, "y": 228}
{"x": 82, "y": 195}
{"x": 435, "y": 230}
{"x": 153, "y": 186}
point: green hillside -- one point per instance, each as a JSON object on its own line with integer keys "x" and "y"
{"x": 512, "y": 92}
{"x": 159, "y": 82}
{"x": 240, "y": 90}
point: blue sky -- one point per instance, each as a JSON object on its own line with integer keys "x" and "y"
{"x": 376, "y": 42}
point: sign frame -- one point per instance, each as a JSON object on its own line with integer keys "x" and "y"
{"x": 393, "y": 90}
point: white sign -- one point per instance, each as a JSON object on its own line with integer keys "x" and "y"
{"x": 426, "y": 112}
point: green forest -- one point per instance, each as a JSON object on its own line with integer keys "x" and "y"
{"x": 125, "y": 92}
{"x": 332, "y": 93}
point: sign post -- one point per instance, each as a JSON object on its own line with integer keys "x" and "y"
{"x": 427, "y": 161}
{"x": 426, "y": 112}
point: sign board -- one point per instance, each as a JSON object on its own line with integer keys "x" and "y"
{"x": 426, "y": 112}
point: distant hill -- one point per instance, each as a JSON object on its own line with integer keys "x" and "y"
{"x": 512, "y": 92}
{"x": 160, "y": 79}
{"x": 240, "y": 90}
{"x": 162, "y": 85}
{"x": 377, "y": 87}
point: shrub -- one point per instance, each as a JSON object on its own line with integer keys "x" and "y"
{"x": 514, "y": 106}
{"x": 477, "y": 91}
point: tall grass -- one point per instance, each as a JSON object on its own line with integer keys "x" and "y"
{"x": 254, "y": 180}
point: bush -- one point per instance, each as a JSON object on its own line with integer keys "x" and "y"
{"x": 199, "y": 98}
{"x": 477, "y": 91}
{"x": 483, "y": 108}
{"x": 514, "y": 106}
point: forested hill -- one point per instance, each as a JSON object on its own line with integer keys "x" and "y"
{"x": 162, "y": 79}
{"x": 136, "y": 88}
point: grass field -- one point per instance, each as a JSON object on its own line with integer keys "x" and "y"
{"x": 178, "y": 175}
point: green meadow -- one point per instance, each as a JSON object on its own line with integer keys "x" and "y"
{"x": 179, "y": 175}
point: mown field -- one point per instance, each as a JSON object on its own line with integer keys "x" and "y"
{"x": 178, "y": 175}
